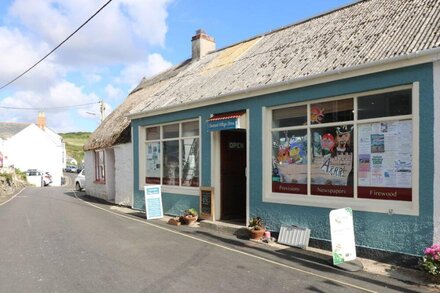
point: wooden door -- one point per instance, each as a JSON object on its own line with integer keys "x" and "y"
{"x": 233, "y": 177}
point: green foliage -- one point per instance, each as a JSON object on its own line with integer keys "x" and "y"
{"x": 75, "y": 143}
{"x": 192, "y": 212}
{"x": 7, "y": 176}
{"x": 256, "y": 223}
{"x": 20, "y": 174}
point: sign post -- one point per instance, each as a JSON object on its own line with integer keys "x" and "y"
{"x": 153, "y": 202}
{"x": 342, "y": 235}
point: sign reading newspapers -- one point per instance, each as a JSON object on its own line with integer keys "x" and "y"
{"x": 153, "y": 202}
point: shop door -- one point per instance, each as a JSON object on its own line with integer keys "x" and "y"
{"x": 233, "y": 177}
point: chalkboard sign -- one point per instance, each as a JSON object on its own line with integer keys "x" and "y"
{"x": 206, "y": 203}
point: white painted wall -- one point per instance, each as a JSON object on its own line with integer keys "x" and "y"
{"x": 110, "y": 174}
{"x": 94, "y": 189}
{"x": 35, "y": 148}
{"x": 124, "y": 174}
{"x": 436, "y": 152}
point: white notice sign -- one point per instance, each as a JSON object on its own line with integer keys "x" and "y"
{"x": 153, "y": 202}
{"x": 342, "y": 234}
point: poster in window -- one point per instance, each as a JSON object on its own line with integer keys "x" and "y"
{"x": 332, "y": 163}
{"x": 152, "y": 167}
{"x": 388, "y": 173}
{"x": 289, "y": 162}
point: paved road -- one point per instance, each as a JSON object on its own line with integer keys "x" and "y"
{"x": 53, "y": 241}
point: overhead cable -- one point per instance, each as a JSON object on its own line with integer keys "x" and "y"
{"x": 54, "y": 49}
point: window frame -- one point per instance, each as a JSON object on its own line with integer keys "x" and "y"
{"x": 360, "y": 204}
{"x": 178, "y": 189}
{"x": 98, "y": 177}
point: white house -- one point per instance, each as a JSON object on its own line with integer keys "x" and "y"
{"x": 33, "y": 146}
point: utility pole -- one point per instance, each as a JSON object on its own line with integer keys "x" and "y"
{"x": 102, "y": 108}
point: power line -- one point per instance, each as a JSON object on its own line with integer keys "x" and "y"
{"x": 53, "y": 50}
{"x": 50, "y": 108}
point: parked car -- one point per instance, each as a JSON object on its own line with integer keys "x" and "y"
{"x": 47, "y": 178}
{"x": 44, "y": 177}
{"x": 71, "y": 169}
{"x": 80, "y": 181}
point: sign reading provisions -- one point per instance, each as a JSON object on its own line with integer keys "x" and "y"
{"x": 206, "y": 203}
{"x": 342, "y": 235}
{"x": 225, "y": 121}
{"x": 153, "y": 202}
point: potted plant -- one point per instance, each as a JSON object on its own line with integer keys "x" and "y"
{"x": 190, "y": 216}
{"x": 256, "y": 228}
{"x": 431, "y": 262}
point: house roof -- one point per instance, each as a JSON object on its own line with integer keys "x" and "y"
{"x": 366, "y": 32}
{"x": 8, "y": 130}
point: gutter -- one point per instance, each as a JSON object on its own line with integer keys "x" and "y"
{"x": 247, "y": 93}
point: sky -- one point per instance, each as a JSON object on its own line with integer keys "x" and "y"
{"x": 108, "y": 57}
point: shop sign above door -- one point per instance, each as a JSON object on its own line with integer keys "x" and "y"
{"x": 227, "y": 121}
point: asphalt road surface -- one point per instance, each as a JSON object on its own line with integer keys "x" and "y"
{"x": 56, "y": 240}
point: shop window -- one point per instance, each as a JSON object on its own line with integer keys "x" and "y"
{"x": 339, "y": 152}
{"x": 178, "y": 162}
{"x": 100, "y": 166}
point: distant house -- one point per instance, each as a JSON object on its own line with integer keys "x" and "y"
{"x": 340, "y": 110}
{"x": 33, "y": 146}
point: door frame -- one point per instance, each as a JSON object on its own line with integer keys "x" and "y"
{"x": 216, "y": 169}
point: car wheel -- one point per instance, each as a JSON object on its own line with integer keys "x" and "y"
{"x": 78, "y": 186}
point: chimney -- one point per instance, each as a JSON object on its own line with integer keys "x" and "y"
{"x": 202, "y": 44}
{"x": 41, "y": 121}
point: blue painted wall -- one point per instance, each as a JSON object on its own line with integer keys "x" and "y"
{"x": 395, "y": 233}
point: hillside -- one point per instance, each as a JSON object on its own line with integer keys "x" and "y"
{"x": 74, "y": 144}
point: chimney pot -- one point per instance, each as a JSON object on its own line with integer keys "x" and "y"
{"x": 41, "y": 121}
{"x": 202, "y": 44}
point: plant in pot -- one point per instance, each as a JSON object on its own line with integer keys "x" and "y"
{"x": 190, "y": 216}
{"x": 256, "y": 228}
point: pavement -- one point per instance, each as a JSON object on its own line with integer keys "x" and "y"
{"x": 226, "y": 231}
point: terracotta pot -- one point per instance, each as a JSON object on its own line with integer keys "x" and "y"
{"x": 190, "y": 220}
{"x": 256, "y": 234}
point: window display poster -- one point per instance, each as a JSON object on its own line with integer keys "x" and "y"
{"x": 152, "y": 164}
{"x": 332, "y": 162}
{"x": 289, "y": 163}
{"x": 385, "y": 160}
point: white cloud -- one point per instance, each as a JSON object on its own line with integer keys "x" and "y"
{"x": 114, "y": 93}
{"x": 134, "y": 73}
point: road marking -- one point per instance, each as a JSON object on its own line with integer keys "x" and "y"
{"x": 228, "y": 248}
{"x": 3, "y": 203}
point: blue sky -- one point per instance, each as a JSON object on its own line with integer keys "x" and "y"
{"x": 128, "y": 40}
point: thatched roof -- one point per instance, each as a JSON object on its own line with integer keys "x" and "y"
{"x": 362, "y": 33}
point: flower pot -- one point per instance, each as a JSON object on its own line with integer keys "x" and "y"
{"x": 190, "y": 220}
{"x": 256, "y": 234}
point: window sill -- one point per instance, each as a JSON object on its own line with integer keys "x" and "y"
{"x": 183, "y": 190}
{"x": 99, "y": 182}
{"x": 367, "y": 205}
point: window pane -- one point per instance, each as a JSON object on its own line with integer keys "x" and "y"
{"x": 332, "y": 161}
{"x": 334, "y": 111}
{"x": 385, "y": 160}
{"x": 386, "y": 104}
{"x": 289, "y": 161}
{"x": 171, "y": 162}
{"x": 152, "y": 167}
{"x": 292, "y": 116}
{"x": 153, "y": 133}
{"x": 190, "y": 162}
{"x": 190, "y": 128}
{"x": 171, "y": 131}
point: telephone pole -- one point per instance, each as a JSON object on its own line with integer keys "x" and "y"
{"x": 101, "y": 108}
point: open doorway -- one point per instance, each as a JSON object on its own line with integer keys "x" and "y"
{"x": 233, "y": 175}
